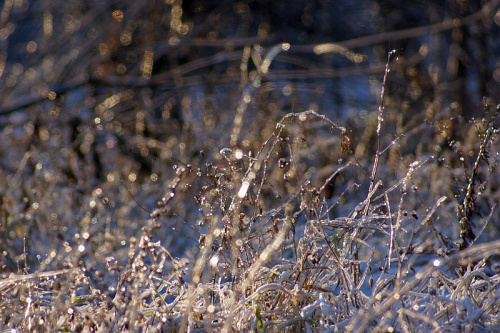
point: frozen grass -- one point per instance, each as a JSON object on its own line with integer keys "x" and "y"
{"x": 300, "y": 225}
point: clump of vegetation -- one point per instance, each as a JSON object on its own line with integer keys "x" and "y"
{"x": 127, "y": 208}
{"x": 377, "y": 253}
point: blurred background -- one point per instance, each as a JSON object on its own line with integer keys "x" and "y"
{"x": 101, "y": 100}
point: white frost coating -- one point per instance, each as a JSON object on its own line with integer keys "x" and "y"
{"x": 243, "y": 189}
